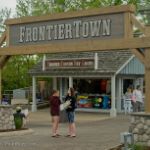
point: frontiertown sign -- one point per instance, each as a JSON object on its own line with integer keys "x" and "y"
{"x": 77, "y": 29}
{"x": 99, "y": 26}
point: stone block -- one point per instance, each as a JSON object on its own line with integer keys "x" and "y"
{"x": 142, "y": 120}
{"x": 148, "y": 131}
{"x": 135, "y": 131}
{"x": 11, "y": 118}
{"x": 145, "y": 127}
{"x": 141, "y": 131}
{"x": 5, "y": 127}
{"x": 148, "y": 143}
{"x": 140, "y": 126}
{"x": 2, "y": 118}
{"x": 145, "y": 138}
{"x": 131, "y": 128}
{"x": 135, "y": 137}
{"x": 140, "y": 138}
{"x": 132, "y": 120}
{"x": 6, "y": 118}
{"x": 148, "y": 122}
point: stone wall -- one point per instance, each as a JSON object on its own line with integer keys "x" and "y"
{"x": 6, "y": 118}
{"x": 140, "y": 127}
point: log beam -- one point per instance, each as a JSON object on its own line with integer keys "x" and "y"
{"x": 137, "y": 23}
{"x": 3, "y": 61}
{"x": 140, "y": 56}
{"x": 2, "y": 38}
{"x": 79, "y": 46}
{"x": 147, "y": 81}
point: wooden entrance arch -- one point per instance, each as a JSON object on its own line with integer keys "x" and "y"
{"x": 88, "y": 30}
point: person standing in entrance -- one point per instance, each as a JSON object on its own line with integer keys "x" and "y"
{"x": 138, "y": 98}
{"x": 128, "y": 104}
{"x": 55, "y": 112}
{"x": 71, "y": 112}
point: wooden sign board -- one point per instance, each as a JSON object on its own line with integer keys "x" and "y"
{"x": 86, "y": 30}
{"x": 106, "y": 23}
{"x": 81, "y": 28}
{"x": 69, "y": 63}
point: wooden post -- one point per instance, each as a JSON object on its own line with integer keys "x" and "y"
{"x": 147, "y": 81}
{"x": 54, "y": 83}
{"x": 96, "y": 61}
{"x": 119, "y": 94}
{"x": 113, "y": 112}
{"x": 70, "y": 82}
{"x": 65, "y": 86}
{"x": 2, "y": 39}
{"x": 34, "y": 105}
{"x": 147, "y": 75}
{"x": 60, "y": 88}
{"x": 0, "y": 85}
{"x": 43, "y": 62}
{"x": 128, "y": 26}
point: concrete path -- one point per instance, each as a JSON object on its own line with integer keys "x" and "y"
{"x": 95, "y": 131}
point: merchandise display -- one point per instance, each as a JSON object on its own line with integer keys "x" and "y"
{"x": 94, "y": 101}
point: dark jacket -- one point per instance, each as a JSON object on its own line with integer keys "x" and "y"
{"x": 55, "y": 105}
{"x": 73, "y": 104}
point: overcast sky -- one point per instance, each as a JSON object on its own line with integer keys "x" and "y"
{"x": 8, "y": 3}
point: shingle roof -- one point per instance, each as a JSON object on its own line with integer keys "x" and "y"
{"x": 109, "y": 63}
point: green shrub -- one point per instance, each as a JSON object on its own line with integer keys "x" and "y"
{"x": 139, "y": 147}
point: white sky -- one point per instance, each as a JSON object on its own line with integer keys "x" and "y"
{"x": 8, "y": 3}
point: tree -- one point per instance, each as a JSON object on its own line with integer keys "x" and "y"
{"x": 15, "y": 73}
{"x": 67, "y": 5}
{"x": 4, "y": 14}
{"x": 33, "y": 7}
{"x": 144, "y": 12}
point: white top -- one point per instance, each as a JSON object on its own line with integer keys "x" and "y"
{"x": 128, "y": 96}
{"x": 138, "y": 95}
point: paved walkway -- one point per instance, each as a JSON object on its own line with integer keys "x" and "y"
{"x": 94, "y": 132}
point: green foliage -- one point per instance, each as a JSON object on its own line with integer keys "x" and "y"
{"x": 139, "y": 147}
{"x": 67, "y": 5}
{"x": 40, "y": 7}
{"x": 23, "y": 8}
{"x": 15, "y": 73}
{"x": 32, "y": 7}
{"x": 4, "y": 14}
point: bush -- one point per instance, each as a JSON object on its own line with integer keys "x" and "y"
{"x": 139, "y": 147}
